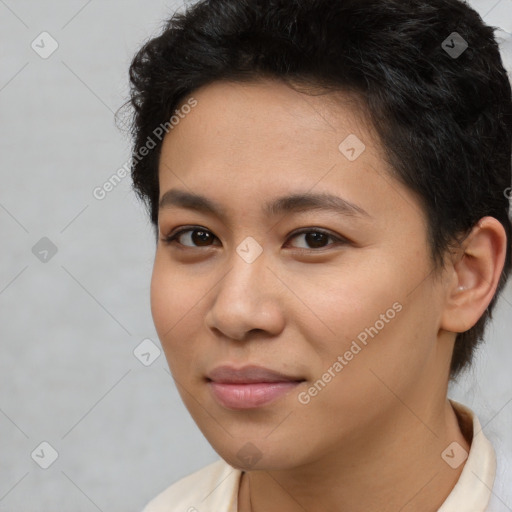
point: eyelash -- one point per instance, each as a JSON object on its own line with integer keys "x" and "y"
{"x": 168, "y": 240}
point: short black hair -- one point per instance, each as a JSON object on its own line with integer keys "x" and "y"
{"x": 444, "y": 118}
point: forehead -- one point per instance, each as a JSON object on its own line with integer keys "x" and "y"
{"x": 263, "y": 139}
{"x": 232, "y": 110}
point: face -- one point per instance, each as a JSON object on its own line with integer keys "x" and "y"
{"x": 335, "y": 294}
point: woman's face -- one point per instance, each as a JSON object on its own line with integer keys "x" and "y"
{"x": 340, "y": 298}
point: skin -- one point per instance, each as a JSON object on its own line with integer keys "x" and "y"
{"x": 371, "y": 439}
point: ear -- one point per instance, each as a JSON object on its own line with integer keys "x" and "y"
{"x": 476, "y": 271}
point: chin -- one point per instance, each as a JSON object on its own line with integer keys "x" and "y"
{"x": 258, "y": 454}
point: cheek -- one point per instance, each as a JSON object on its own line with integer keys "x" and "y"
{"x": 162, "y": 300}
{"x": 361, "y": 372}
{"x": 174, "y": 298}
{"x": 388, "y": 346}
{"x": 369, "y": 316}
{"x": 345, "y": 300}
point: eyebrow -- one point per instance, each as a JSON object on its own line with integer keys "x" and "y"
{"x": 288, "y": 204}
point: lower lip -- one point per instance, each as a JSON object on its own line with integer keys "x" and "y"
{"x": 249, "y": 396}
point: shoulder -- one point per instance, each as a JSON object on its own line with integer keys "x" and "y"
{"x": 212, "y": 487}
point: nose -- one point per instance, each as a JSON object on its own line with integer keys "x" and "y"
{"x": 248, "y": 298}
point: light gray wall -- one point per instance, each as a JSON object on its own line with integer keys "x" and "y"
{"x": 69, "y": 325}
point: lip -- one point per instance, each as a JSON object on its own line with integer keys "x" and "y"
{"x": 249, "y": 387}
{"x": 226, "y": 374}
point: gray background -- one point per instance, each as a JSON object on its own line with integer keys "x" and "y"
{"x": 68, "y": 374}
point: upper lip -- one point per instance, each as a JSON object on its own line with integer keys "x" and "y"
{"x": 248, "y": 374}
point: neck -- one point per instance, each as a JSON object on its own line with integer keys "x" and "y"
{"x": 400, "y": 469}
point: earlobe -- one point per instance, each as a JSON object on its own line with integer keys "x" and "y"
{"x": 477, "y": 271}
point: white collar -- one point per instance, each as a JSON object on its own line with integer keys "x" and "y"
{"x": 474, "y": 488}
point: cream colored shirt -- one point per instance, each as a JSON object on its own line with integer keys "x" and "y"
{"x": 214, "y": 488}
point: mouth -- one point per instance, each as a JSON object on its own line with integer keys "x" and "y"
{"x": 249, "y": 387}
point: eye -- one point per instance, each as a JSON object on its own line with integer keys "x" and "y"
{"x": 200, "y": 237}
{"x": 317, "y": 238}
{"x": 196, "y": 235}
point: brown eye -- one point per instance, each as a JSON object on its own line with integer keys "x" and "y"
{"x": 201, "y": 238}
{"x": 316, "y": 239}
{"x": 196, "y": 237}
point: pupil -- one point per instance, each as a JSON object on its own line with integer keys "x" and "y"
{"x": 201, "y": 236}
{"x": 315, "y": 239}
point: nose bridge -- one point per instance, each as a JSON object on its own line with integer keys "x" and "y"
{"x": 246, "y": 279}
{"x": 243, "y": 301}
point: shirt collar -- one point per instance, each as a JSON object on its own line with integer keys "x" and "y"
{"x": 474, "y": 488}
